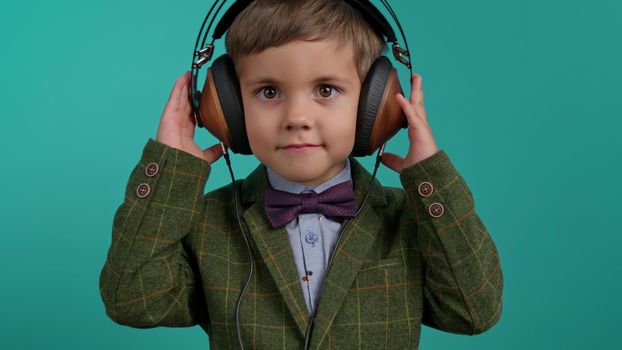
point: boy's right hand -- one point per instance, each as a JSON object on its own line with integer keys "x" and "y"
{"x": 177, "y": 123}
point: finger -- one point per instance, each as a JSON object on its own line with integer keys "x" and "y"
{"x": 393, "y": 161}
{"x": 187, "y": 79}
{"x": 416, "y": 93}
{"x": 413, "y": 88}
{"x": 213, "y": 153}
{"x": 419, "y": 105}
{"x": 409, "y": 110}
{"x": 184, "y": 102}
{"x": 173, "y": 99}
{"x": 420, "y": 89}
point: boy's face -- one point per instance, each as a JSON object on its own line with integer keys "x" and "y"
{"x": 300, "y": 104}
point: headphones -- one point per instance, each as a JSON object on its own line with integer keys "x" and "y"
{"x": 219, "y": 109}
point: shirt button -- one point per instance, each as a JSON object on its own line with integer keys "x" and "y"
{"x": 311, "y": 238}
{"x": 143, "y": 190}
{"x": 151, "y": 169}
{"x": 436, "y": 210}
{"x": 425, "y": 189}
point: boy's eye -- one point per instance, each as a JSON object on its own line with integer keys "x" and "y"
{"x": 268, "y": 92}
{"x": 327, "y": 90}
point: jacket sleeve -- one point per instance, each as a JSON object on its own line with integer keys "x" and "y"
{"x": 149, "y": 278}
{"x": 463, "y": 281}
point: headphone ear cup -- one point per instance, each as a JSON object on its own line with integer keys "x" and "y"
{"x": 221, "y": 107}
{"x": 379, "y": 115}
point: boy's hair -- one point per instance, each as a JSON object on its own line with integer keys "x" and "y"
{"x": 269, "y": 23}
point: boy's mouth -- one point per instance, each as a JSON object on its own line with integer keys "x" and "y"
{"x": 300, "y": 147}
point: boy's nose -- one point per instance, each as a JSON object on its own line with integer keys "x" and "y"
{"x": 298, "y": 115}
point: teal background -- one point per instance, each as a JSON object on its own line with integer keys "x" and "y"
{"x": 524, "y": 96}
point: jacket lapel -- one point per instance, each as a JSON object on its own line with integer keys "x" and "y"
{"x": 273, "y": 246}
{"x": 351, "y": 251}
{"x": 275, "y": 249}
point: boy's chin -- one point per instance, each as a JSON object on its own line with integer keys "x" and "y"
{"x": 310, "y": 176}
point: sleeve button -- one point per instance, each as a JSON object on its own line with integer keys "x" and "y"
{"x": 425, "y": 189}
{"x": 436, "y": 210}
{"x": 151, "y": 169}
{"x": 143, "y": 190}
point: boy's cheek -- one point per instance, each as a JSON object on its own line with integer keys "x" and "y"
{"x": 258, "y": 146}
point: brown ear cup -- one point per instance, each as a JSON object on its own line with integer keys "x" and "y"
{"x": 379, "y": 115}
{"x": 221, "y": 108}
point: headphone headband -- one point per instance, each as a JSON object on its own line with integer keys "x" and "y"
{"x": 370, "y": 13}
{"x": 229, "y": 16}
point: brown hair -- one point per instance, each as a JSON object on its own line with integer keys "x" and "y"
{"x": 269, "y": 23}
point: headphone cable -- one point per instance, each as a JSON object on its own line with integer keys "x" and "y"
{"x": 248, "y": 246}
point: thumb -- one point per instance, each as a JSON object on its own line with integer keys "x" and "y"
{"x": 212, "y": 153}
{"x": 392, "y": 161}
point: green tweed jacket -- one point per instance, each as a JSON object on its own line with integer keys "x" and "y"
{"x": 414, "y": 255}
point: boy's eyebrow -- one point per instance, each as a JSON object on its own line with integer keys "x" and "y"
{"x": 322, "y": 79}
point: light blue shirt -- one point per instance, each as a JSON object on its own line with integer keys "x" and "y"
{"x": 311, "y": 235}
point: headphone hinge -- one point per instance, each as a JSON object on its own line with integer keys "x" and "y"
{"x": 205, "y": 54}
{"x": 399, "y": 54}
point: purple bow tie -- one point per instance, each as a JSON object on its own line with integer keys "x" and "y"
{"x": 282, "y": 207}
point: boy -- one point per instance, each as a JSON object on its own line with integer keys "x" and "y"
{"x": 413, "y": 255}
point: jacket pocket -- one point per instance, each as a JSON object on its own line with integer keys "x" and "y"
{"x": 377, "y": 264}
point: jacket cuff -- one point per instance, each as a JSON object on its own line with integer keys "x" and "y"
{"x": 167, "y": 176}
{"x": 434, "y": 185}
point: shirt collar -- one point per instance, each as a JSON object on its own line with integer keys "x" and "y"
{"x": 280, "y": 183}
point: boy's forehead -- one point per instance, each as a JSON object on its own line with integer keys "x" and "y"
{"x": 320, "y": 60}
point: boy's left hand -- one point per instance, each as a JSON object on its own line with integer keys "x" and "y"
{"x": 422, "y": 144}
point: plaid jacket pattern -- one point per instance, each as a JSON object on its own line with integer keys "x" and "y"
{"x": 177, "y": 258}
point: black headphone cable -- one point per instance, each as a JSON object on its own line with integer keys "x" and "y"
{"x": 248, "y": 246}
